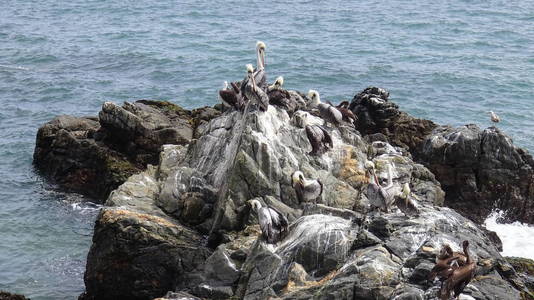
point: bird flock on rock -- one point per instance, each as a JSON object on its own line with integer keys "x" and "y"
{"x": 453, "y": 269}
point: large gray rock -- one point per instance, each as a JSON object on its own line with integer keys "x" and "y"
{"x": 190, "y": 213}
{"x": 481, "y": 170}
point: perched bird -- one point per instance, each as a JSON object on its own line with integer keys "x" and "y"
{"x": 258, "y": 73}
{"x": 280, "y": 97}
{"x": 446, "y": 262}
{"x": 329, "y": 113}
{"x": 348, "y": 115}
{"x": 493, "y": 116}
{"x": 253, "y": 92}
{"x": 231, "y": 97}
{"x": 307, "y": 190}
{"x": 319, "y": 138}
{"x": 460, "y": 277}
{"x": 404, "y": 203}
{"x": 379, "y": 197}
{"x": 272, "y": 223}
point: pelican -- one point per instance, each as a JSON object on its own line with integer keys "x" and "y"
{"x": 259, "y": 73}
{"x": 404, "y": 203}
{"x": 253, "y": 92}
{"x": 272, "y": 223}
{"x": 307, "y": 190}
{"x": 231, "y": 97}
{"x": 494, "y": 117}
{"x": 379, "y": 196}
{"x": 446, "y": 262}
{"x": 318, "y": 136}
{"x": 328, "y": 112}
{"x": 459, "y": 277}
{"x": 279, "y": 96}
{"x": 347, "y": 114}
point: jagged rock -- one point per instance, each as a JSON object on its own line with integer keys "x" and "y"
{"x": 94, "y": 156}
{"x": 525, "y": 269}
{"x": 67, "y": 152}
{"x": 139, "y": 252}
{"x": 161, "y": 222}
{"x": 479, "y": 170}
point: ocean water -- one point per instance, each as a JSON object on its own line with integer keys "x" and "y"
{"x": 450, "y": 61}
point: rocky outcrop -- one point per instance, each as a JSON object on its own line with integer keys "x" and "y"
{"x": 479, "y": 170}
{"x": 180, "y": 228}
{"x": 94, "y": 156}
{"x": 9, "y": 296}
{"x": 186, "y": 224}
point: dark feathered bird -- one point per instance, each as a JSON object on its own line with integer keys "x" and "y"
{"x": 273, "y": 224}
{"x": 347, "y": 114}
{"x": 231, "y": 97}
{"x": 280, "y": 97}
{"x": 460, "y": 277}
{"x": 319, "y": 138}
{"x": 307, "y": 190}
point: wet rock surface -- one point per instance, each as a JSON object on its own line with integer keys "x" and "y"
{"x": 10, "y": 296}
{"x": 94, "y": 155}
{"x": 182, "y": 227}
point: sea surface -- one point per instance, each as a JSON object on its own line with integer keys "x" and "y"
{"x": 449, "y": 61}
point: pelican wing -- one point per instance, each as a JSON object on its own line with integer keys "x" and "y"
{"x": 228, "y": 96}
{"x": 261, "y": 79}
{"x": 281, "y": 220}
{"x": 313, "y": 190}
{"x": 266, "y": 224}
{"x": 327, "y": 137}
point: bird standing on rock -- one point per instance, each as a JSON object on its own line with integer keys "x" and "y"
{"x": 404, "y": 203}
{"x": 347, "y": 114}
{"x": 279, "y": 96}
{"x": 272, "y": 223}
{"x": 254, "y": 93}
{"x": 460, "y": 277}
{"x": 329, "y": 113}
{"x": 319, "y": 138}
{"x": 307, "y": 190}
{"x": 231, "y": 97}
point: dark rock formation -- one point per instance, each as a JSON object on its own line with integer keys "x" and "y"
{"x": 9, "y": 296}
{"x": 94, "y": 156}
{"x": 479, "y": 170}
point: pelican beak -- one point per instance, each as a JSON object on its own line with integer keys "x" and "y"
{"x": 262, "y": 57}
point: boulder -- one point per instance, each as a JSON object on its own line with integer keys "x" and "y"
{"x": 93, "y": 156}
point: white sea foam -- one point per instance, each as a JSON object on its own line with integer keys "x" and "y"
{"x": 517, "y": 238}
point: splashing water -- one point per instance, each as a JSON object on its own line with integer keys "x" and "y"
{"x": 516, "y": 237}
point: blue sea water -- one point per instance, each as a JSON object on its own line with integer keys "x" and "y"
{"x": 449, "y": 61}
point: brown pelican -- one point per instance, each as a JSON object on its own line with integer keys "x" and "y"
{"x": 446, "y": 262}
{"x": 253, "y": 92}
{"x": 379, "y": 197}
{"x": 318, "y": 136}
{"x": 404, "y": 203}
{"x": 348, "y": 116}
{"x": 280, "y": 97}
{"x": 307, "y": 190}
{"x": 231, "y": 97}
{"x": 493, "y": 116}
{"x": 259, "y": 73}
{"x": 460, "y": 277}
{"x": 328, "y": 112}
{"x": 272, "y": 223}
